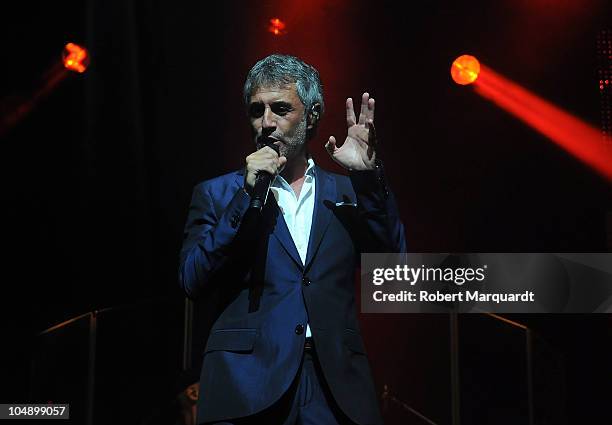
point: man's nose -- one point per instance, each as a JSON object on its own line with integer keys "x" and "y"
{"x": 268, "y": 122}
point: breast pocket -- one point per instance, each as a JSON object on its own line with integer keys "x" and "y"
{"x": 234, "y": 340}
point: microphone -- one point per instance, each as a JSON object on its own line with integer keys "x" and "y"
{"x": 263, "y": 181}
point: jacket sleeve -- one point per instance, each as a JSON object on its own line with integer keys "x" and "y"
{"x": 209, "y": 239}
{"x": 378, "y": 212}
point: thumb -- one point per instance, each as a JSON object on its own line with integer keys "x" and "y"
{"x": 330, "y": 146}
{"x": 282, "y": 160}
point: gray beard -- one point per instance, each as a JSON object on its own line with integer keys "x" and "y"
{"x": 292, "y": 147}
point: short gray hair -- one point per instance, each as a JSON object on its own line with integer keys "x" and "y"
{"x": 278, "y": 70}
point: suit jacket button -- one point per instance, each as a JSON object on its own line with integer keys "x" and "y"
{"x": 299, "y": 329}
{"x": 305, "y": 281}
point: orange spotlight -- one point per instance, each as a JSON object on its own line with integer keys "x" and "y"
{"x": 570, "y": 133}
{"x": 465, "y": 70}
{"x": 277, "y": 27}
{"x": 75, "y": 57}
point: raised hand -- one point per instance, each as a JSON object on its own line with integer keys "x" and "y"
{"x": 358, "y": 151}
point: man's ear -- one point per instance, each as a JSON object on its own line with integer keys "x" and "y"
{"x": 313, "y": 116}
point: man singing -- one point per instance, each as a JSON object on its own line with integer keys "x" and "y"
{"x": 285, "y": 346}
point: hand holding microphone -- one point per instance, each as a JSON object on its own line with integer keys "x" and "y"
{"x": 261, "y": 168}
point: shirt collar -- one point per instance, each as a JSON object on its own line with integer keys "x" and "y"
{"x": 310, "y": 174}
{"x": 310, "y": 170}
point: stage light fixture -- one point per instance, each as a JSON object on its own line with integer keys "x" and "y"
{"x": 277, "y": 27}
{"x": 465, "y": 70}
{"x": 571, "y": 133}
{"x": 75, "y": 58}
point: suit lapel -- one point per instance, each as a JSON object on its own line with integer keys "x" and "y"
{"x": 281, "y": 231}
{"x": 325, "y": 190}
{"x": 325, "y": 193}
{"x": 271, "y": 211}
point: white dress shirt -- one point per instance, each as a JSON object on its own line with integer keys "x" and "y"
{"x": 297, "y": 211}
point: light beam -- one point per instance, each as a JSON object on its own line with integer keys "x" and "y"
{"x": 570, "y": 133}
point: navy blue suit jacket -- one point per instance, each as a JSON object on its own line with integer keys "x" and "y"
{"x": 264, "y": 295}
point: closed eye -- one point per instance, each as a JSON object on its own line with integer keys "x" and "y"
{"x": 281, "y": 108}
{"x": 256, "y": 110}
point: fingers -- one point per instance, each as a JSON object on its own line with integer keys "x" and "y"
{"x": 364, "y": 108}
{"x": 367, "y": 109}
{"x": 267, "y": 150}
{"x": 264, "y": 160}
{"x": 350, "y": 113}
{"x": 370, "y": 111}
{"x": 372, "y": 139}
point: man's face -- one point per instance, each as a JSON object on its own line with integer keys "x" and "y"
{"x": 278, "y": 113}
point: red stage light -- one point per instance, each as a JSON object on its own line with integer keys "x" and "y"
{"x": 75, "y": 57}
{"x": 277, "y": 27}
{"x": 465, "y": 70}
{"x": 570, "y": 133}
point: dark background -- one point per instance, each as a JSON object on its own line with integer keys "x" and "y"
{"x": 96, "y": 180}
